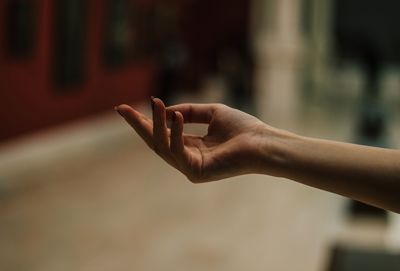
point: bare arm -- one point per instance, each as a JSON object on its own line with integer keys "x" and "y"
{"x": 238, "y": 143}
{"x": 367, "y": 174}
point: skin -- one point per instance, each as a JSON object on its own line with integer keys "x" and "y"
{"x": 238, "y": 143}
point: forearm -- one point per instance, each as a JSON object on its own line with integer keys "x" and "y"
{"x": 367, "y": 174}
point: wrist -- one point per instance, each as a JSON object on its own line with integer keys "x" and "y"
{"x": 276, "y": 150}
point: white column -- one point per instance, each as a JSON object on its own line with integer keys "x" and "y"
{"x": 278, "y": 47}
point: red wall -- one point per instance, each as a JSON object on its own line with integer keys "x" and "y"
{"x": 28, "y": 96}
{"x": 29, "y": 99}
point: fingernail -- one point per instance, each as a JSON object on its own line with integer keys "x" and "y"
{"x": 173, "y": 116}
{"x": 152, "y": 102}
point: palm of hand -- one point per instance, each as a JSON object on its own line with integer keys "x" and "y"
{"x": 227, "y": 147}
{"x": 225, "y": 151}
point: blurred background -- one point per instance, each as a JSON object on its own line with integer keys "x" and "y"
{"x": 80, "y": 191}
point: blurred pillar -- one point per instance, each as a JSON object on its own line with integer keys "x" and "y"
{"x": 278, "y": 50}
{"x": 317, "y": 44}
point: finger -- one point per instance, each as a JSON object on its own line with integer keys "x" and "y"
{"x": 160, "y": 132}
{"x": 139, "y": 122}
{"x": 178, "y": 149}
{"x": 193, "y": 113}
{"x": 177, "y": 143}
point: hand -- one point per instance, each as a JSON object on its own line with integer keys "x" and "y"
{"x": 231, "y": 146}
{"x": 237, "y": 143}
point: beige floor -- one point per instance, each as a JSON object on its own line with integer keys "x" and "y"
{"x": 102, "y": 201}
{"x": 116, "y": 206}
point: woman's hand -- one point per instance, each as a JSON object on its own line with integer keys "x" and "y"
{"x": 231, "y": 147}
{"x": 237, "y": 143}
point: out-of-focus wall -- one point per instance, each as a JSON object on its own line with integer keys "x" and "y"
{"x": 53, "y": 64}
{"x": 66, "y": 59}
